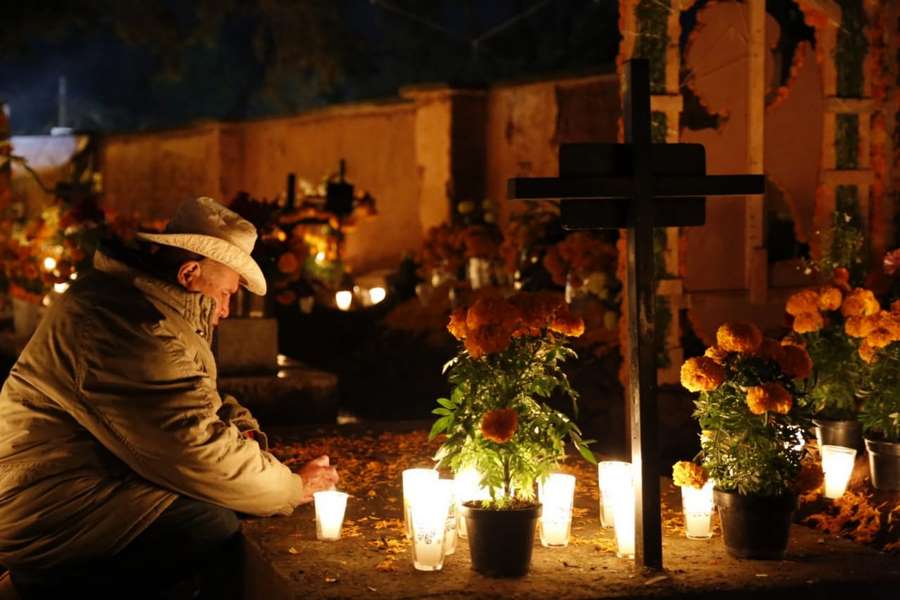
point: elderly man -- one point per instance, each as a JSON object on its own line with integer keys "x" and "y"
{"x": 120, "y": 463}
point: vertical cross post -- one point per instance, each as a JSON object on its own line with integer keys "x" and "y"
{"x": 641, "y": 294}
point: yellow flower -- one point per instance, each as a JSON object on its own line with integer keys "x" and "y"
{"x": 717, "y": 354}
{"x": 808, "y": 322}
{"x": 567, "y": 324}
{"x": 860, "y": 303}
{"x": 830, "y": 298}
{"x": 499, "y": 425}
{"x": 857, "y": 327}
{"x": 880, "y": 338}
{"x": 739, "y": 337}
{"x": 804, "y": 301}
{"x": 769, "y": 397}
{"x": 686, "y": 473}
{"x": 702, "y": 374}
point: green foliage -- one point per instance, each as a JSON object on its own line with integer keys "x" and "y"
{"x": 844, "y": 244}
{"x": 652, "y": 39}
{"x": 838, "y": 372}
{"x": 743, "y": 452}
{"x": 846, "y": 141}
{"x": 880, "y": 413}
{"x": 658, "y": 127}
{"x": 523, "y": 378}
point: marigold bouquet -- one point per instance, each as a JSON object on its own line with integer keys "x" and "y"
{"x": 829, "y": 321}
{"x": 880, "y": 390}
{"x": 748, "y": 409}
{"x": 497, "y": 419}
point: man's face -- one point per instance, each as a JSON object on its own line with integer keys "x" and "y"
{"x": 213, "y": 280}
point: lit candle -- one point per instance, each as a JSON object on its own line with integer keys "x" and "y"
{"x": 837, "y": 463}
{"x": 467, "y": 486}
{"x": 621, "y": 492}
{"x": 609, "y": 475}
{"x": 414, "y": 482}
{"x": 428, "y": 525}
{"x": 556, "y": 493}
{"x": 697, "y": 505}
{"x": 377, "y": 294}
{"x": 343, "y": 299}
{"x": 330, "y": 506}
{"x": 450, "y": 532}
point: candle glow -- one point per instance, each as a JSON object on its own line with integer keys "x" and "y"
{"x": 837, "y": 463}
{"x": 415, "y": 481}
{"x": 428, "y": 525}
{"x": 620, "y": 491}
{"x": 609, "y": 477}
{"x": 556, "y": 494}
{"x": 697, "y": 505}
{"x": 330, "y": 507}
{"x": 377, "y": 294}
{"x": 467, "y": 486}
{"x": 343, "y": 299}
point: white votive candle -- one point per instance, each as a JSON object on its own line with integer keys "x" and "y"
{"x": 414, "y": 482}
{"x": 609, "y": 476}
{"x": 450, "y": 531}
{"x": 556, "y": 494}
{"x": 343, "y": 299}
{"x": 621, "y": 493}
{"x": 697, "y": 504}
{"x": 467, "y": 486}
{"x": 330, "y": 507}
{"x": 837, "y": 463}
{"x": 428, "y": 525}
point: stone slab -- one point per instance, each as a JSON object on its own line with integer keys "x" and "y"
{"x": 283, "y": 560}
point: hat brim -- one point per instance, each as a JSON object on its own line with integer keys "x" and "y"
{"x": 218, "y": 250}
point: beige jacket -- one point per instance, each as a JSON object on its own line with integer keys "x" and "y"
{"x": 110, "y": 412}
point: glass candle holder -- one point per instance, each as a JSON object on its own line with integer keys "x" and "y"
{"x": 428, "y": 525}
{"x": 450, "y": 531}
{"x": 837, "y": 463}
{"x": 621, "y": 493}
{"x": 556, "y": 493}
{"x": 414, "y": 482}
{"x": 609, "y": 477}
{"x": 466, "y": 487}
{"x": 697, "y": 505}
{"x": 330, "y": 508}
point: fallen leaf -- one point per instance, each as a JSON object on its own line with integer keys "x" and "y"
{"x": 293, "y": 550}
{"x": 331, "y": 580}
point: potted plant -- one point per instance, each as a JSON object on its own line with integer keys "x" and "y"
{"x": 752, "y": 425}
{"x": 497, "y": 419}
{"x": 880, "y": 414}
{"x": 826, "y": 321}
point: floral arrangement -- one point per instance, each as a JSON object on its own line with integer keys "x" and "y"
{"x": 686, "y": 473}
{"x": 750, "y": 409}
{"x": 497, "y": 419}
{"x": 442, "y": 252}
{"x": 577, "y": 256}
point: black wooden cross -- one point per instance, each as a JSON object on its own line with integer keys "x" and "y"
{"x": 637, "y": 185}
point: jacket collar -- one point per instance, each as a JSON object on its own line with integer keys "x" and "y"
{"x": 196, "y": 308}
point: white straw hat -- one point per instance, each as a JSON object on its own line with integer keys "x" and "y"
{"x": 207, "y": 228}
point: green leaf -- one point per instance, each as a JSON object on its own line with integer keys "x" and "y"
{"x": 587, "y": 454}
{"x": 439, "y": 426}
{"x": 441, "y": 411}
{"x": 447, "y": 403}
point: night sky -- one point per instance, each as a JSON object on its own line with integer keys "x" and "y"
{"x": 134, "y": 65}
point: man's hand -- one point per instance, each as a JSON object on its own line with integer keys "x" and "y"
{"x": 317, "y": 475}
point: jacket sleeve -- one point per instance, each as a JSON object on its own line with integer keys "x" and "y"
{"x": 145, "y": 398}
{"x": 233, "y": 412}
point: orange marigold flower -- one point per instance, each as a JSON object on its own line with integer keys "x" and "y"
{"x": 769, "y": 397}
{"x": 536, "y": 310}
{"x": 487, "y": 340}
{"x": 880, "y": 338}
{"x": 867, "y": 352}
{"x": 499, "y": 425}
{"x": 795, "y": 362}
{"x": 457, "y": 325}
{"x": 687, "y": 473}
{"x": 841, "y": 278}
{"x": 808, "y": 322}
{"x": 288, "y": 263}
{"x": 860, "y": 303}
{"x": 895, "y": 306}
{"x": 857, "y": 327}
{"x": 717, "y": 354}
{"x": 830, "y": 298}
{"x": 567, "y": 324}
{"x": 702, "y": 374}
{"x": 739, "y": 337}
{"x": 770, "y": 350}
{"x": 804, "y": 301}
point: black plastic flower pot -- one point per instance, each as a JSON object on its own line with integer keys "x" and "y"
{"x": 839, "y": 433}
{"x": 884, "y": 464}
{"x": 755, "y": 527}
{"x": 500, "y": 541}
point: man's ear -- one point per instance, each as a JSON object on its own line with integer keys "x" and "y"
{"x": 188, "y": 274}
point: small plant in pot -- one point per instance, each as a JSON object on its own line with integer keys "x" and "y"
{"x": 880, "y": 414}
{"x": 497, "y": 419}
{"x": 751, "y": 441}
{"x": 826, "y": 320}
